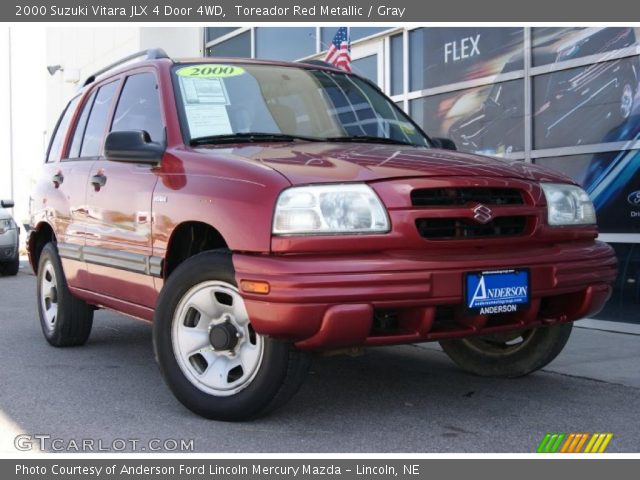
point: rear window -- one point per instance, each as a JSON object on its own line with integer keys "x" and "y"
{"x": 81, "y": 124}
{"x": 60, "y": 131}
{"x": 93, "y": 140}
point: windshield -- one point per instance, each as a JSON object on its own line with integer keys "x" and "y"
{"x": 227, "y": 101}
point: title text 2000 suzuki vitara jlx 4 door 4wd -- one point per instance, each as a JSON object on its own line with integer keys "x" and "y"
{"x": 259, "y": 211}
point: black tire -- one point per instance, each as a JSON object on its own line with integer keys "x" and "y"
{"x": 74, "y": 318}
{"x": 502, "y": 356}
{"x": 277, "y": 377}
{"x": 10, "y": 268}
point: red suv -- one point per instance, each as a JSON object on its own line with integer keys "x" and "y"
{"x": 256, "y": 212}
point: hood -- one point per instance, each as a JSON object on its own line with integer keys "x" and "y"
{"x": 304, "y": 163}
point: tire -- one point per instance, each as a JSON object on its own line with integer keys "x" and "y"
{"x": 232, "y": 381}
{"x": 10, "y": 268}
{"x": 66, "y": 321}
{"x": 508, "y": 355}
{"x": 626, "y": 100}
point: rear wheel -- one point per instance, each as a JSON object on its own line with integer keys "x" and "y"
{"x": 65, "y": 320}
{"x": 207, "y": 350}
{"x": 511, "y": 354}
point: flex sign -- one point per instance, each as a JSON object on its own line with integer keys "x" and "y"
{"x": 466, "y": 47}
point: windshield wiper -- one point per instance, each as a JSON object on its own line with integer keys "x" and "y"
{"x": 369, "y": 139}
{"x": 251, "y": 137}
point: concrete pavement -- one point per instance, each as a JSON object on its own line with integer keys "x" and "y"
{"x": 396, "y": 399}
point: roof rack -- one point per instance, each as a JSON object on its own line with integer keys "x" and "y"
{"x": 149, "y": 54}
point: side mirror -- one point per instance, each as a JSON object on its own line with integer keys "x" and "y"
{"x": 444, "y": 143}
{"x": 7, "y": 203}
{"x": 134, "y": 146}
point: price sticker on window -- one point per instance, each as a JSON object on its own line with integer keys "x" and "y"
{"x": 210, "y": 71}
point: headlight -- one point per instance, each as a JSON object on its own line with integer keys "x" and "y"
{"x": 344, "y": 208}
{"x": 568, "y": 205}
{"x": 7, "y": 224}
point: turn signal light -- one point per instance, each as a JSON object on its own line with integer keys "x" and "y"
{"x": 250, "y": 286}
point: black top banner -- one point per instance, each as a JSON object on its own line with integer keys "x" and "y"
{"x": 255, "y": 11}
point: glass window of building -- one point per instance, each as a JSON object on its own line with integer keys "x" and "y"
{"x": 487, "y": 119}
{"x": 439, "y": 56}
{"x": 212, "y": 33}
{"x": 552, "y": 44}
{"x": 396, "y": 64}
{"x": 605, "y": 93}
{"x": 366, "y": 67}
{"x": 238, "y": 46}
{"x": 327, "y": 34}
{"x": 624, "y": 302}
{"x": 286, "y": 43}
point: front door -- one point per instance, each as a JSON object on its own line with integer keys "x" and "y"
{"x": 118, "y": 246}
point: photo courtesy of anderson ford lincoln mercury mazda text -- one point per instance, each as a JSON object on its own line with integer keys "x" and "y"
{"x": 256, "y": 212}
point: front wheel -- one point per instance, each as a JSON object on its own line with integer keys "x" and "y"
{"x": 511, "y": 354}
{"x": 209, "y": 354}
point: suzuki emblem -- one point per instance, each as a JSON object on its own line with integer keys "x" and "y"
{"x": 482, "y": 214}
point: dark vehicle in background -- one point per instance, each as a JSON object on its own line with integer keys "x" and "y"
{"x": 9, "y": 241}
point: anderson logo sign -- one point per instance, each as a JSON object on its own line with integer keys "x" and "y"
{"x": 497, "y": 292}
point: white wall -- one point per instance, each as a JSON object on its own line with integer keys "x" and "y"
{"x": 5, "y": 180}
{"x": 178, "y": 42}
{"x": 85, "y": 50}
{"x": 88, "y": 49}
{"x": 24, "y": 64}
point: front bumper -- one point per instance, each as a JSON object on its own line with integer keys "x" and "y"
{"x": 9, "y": 245}
{"x": 336, "y": 301}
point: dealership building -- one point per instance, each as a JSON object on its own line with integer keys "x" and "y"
{"x": 564, "y": 98}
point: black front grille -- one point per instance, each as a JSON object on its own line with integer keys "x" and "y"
{"x": 435, "y": 197}
{"x": 462, "y": 228}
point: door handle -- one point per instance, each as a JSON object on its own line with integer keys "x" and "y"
{"x": 57, "y": 179}
{"x": 99, "y": 180}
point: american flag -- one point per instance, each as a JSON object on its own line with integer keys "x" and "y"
{"x": 339, "y": 50}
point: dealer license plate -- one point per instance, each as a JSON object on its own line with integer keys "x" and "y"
{"x": 499, "y": 291}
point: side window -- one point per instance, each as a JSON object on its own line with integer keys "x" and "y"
{"x": 93, "y": 140}
{"x": 60, "y": 132}
{"x": 76, "y": 143}
{"x": 139, "y": 107}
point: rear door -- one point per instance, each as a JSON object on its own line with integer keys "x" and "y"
{"x": 74, "y": 170}
{"x": 118, "y": 247}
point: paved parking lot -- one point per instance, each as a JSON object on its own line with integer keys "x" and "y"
{"x": 399, "y": 399}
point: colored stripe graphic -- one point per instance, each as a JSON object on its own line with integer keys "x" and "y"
{"x": 573, "y": 442}
{"x": 598, "y": 443}
{"x": 551, "y": 443}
